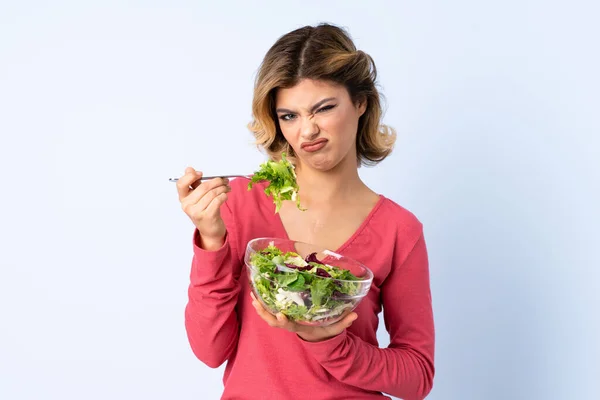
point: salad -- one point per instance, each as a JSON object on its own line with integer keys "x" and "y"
{"x": 302, "y": 289}
{"x": 282, "y": 181}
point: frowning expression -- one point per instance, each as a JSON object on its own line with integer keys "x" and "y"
{"x": 320, "y": 121}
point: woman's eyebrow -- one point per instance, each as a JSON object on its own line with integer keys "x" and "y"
{"x": 312, "y": 109}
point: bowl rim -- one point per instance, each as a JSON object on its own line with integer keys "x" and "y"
{"x": 322, "y": 250}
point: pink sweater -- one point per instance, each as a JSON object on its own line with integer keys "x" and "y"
{"x": 271, "y": 363}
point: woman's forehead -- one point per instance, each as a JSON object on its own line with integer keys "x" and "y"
{"x": 307, "y": 92}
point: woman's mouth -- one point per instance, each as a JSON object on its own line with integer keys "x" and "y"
{"x": 314, "y": 145}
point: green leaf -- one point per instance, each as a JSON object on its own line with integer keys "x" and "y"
{"x": 295, "y": 312}
{"x": 282, "y": 181}
{"x": 320, "y": 290}
{"x": 286, "y": 279}
{"x": 298, "y": 284}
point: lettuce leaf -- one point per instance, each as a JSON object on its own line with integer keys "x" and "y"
{"x": 320, "y": 289}
{"x": 282, "y": 181}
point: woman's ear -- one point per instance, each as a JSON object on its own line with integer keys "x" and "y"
{"x": 361, "y": 106}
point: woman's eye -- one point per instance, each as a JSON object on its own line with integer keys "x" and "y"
{"x": 326, "y": 108}
{"x": 287, "y": 117}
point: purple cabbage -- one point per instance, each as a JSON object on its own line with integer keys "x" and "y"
{"x": 312, "y": 257}
{"x": 323, "y": 273}
{"x": 297, "y": 267}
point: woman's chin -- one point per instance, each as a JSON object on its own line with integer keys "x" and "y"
{"x": 322, "y": 164}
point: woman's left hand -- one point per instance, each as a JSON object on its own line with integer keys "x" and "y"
{"x": 307, "y": 333}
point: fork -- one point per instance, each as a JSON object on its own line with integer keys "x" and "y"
{"x": 204, "y": 178}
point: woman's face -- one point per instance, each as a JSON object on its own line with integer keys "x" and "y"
{"x": 320, "y": 121}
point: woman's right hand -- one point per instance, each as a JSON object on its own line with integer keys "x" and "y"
{"x": 202, "y": 204}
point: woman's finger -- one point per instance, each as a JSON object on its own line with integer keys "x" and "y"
{"x": 197, "y": 194}
{"x": 343, "y": 324}
{"x": 269, "y": 318}
{"x": 197, "y": 183}
{"x": 211, "y": 195}
{"x": 190, "y": 177}
{"x": 286, "y": 324}
{"x": 347, "y": 321}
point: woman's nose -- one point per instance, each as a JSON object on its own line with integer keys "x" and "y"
{"x": 310, "y": 129}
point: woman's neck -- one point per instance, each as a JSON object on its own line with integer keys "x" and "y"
{"x": 333, "y": 186}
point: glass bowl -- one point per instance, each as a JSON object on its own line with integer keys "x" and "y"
{"x": 310, "y": 285}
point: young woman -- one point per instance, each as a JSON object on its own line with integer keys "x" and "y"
{"x": 315, "y": 99}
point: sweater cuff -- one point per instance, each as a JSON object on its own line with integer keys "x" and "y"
{"x": 209, "y": 264}
{"x": 200, "y": 251}
{"x": 325, "y": 350}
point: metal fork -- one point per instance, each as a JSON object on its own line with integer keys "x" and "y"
{"x": 204, "y": 178}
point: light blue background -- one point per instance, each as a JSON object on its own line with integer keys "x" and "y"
{"x": 497, "y": 109}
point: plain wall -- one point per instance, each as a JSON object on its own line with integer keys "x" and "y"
{"x": 496, "y": 107}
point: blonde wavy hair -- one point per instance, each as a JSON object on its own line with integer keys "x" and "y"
{"x": 324, "y": 52}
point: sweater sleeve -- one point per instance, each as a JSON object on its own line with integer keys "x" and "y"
{"x": 405, "y": 368}
{"x": 210, "y": 315}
